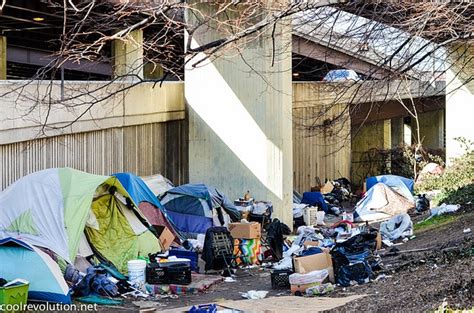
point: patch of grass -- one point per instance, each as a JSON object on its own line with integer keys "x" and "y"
{"x": 435, "y": 222}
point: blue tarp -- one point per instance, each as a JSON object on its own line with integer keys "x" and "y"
{"x": 191, "y": 206}
{"x": 402, "y": 185}
{"x": 137, "y": 189}
{"x": 139, "y": 192}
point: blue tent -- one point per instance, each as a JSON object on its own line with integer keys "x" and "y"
{"x": 18, "y": 259}
{"x": 402, "y": 185}
{"x": 139, "y": 192}
{"x": 192, "y": 206}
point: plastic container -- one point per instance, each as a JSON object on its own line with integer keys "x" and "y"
{"x": 15, "y": 295}
{"x": 280, "y": 278}
{"x": 136, "y": 271}
{"x": 190, "y": 255}
{"x": 320, "y": 217}
{"x": 155, "y": 274}
{"x": 179, "y": 274}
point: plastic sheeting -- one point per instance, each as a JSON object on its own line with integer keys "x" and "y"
{"x": 116, "y": 239}
{"x": 402, "y": 185}
{"x": 397, "y": 227}
{"x": 381, "y": 202}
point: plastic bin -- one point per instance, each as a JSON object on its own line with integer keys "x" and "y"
{"x": 280, "y": 279}
{"x": 179, "y": 274}
{"x": 17, "y": 294}
{"x": 190, "y": 255}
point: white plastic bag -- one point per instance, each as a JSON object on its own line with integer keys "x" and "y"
{"x": 389, "y": 229}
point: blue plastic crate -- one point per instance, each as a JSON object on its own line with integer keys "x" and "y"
{"x": 191, "y": 255}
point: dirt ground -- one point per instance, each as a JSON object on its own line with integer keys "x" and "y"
{"x": 440, "y": 268}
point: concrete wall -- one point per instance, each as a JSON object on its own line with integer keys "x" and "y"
{"x": 240, "y": 123}
{"x": 140, "y": 130}
{"x": 372, "y": 136}
{"x": 34, "y": 109}
{"x": 141, "y": 149}
{"x": 459, "y": 99}
{"x": 323, "y": 153}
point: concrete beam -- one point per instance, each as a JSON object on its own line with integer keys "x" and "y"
{"x": 22, "y": 119}
{"x": 313, "y": 50}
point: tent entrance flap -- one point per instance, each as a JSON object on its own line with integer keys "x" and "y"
{"x": 116, "y": 239}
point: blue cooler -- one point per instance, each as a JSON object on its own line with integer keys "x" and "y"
{"x": 186, "y": 254}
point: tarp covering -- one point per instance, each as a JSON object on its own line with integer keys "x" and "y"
{"x": 341, "y": 75}
{"x": 147, "y": 202}
{"x": 192, "y": 206}
{"x": 402, "y": 185}
{"x": 158, "y": 184}
{"x": 381, "y": 202}
{"x": 18, "y": 259}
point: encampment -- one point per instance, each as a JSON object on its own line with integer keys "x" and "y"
{"x": 147, "y": 202}
{"x": 54, "y": 208}
{"x": 196, "y": 207}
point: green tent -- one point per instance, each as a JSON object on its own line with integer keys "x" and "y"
{"x": 53, "y": 208}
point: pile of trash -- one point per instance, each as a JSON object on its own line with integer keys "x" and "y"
{"x": 320, "y": 258}
{"x": 327, "y": 198}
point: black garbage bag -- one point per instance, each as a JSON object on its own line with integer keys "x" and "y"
{"x": 354, "y": 259}
{"x": 275, "y": 232}
{"x": 422, "y": 203}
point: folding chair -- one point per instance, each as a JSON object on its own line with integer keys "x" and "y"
{"x": 218, "y": 249}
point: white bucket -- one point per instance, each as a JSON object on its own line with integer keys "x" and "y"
{"x": 320, "y": 218}
{"x": 136, "y": 271}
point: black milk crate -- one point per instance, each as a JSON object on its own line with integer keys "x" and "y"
{"x": 155, "y": 274}
{"x": 179, "y": 274}
{"x": 281, "y": 278}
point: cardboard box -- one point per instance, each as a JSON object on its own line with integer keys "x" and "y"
{"x": 245, "y": 230}
{"x": 378, "y": 240}
{"x": 311, "y": 244}
{"x": 315, "y": 262}
{"x": 165, "y": 236}
{"x": 302, "y": 288}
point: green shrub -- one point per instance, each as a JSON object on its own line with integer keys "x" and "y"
{"x": 456, "y": 182}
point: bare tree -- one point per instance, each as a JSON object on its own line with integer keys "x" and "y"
{"x": 404, "y": 40}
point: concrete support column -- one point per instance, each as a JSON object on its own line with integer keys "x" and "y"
{"x": 397, "y": 131}
{"x": 459, "y": 98}
{"x": 128, "y": 55}
{"x": 3, "y": 57}
{"x": 431, "y": 129}
{"x": 240, "y": 118}
{"x": 387, "y": 141}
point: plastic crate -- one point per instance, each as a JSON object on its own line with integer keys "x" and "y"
{"x": 17, "y": 294}
{"x": 310, "y": 216}
{"x": 178, "y": 274}
{"x": 281, "y": 279}
{"x": 155, "y": 274}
